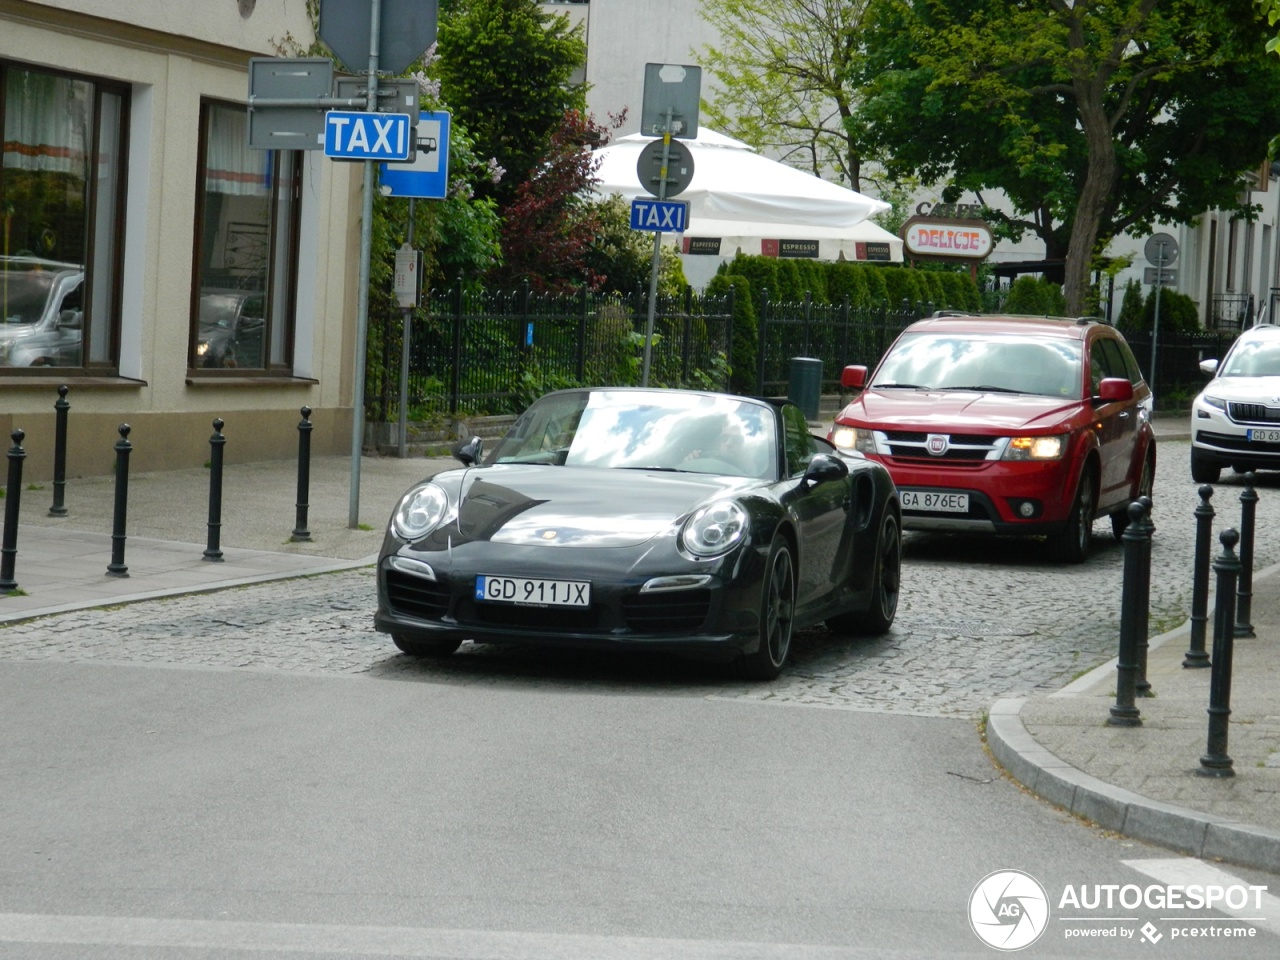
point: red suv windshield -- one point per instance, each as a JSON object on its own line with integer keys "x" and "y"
{"x": 991, "y": 364}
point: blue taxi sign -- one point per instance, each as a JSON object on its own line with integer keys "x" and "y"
{"x": 356, "y": 135}
{"x": 660, "y": 215}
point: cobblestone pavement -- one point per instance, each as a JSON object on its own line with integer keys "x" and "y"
{"x": 979, "y": 619}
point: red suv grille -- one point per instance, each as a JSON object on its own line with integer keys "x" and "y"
{"x": 909, "y": 445}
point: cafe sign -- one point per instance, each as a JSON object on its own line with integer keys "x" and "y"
{"x": 960, "y": 239}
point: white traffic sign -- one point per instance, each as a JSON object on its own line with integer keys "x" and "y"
{"x": 428, "y": 176}
{"x": 670, "y": 216}
{"x": 353, "y": 135}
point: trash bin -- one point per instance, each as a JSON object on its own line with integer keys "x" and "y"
{"x": 805, "y": 386}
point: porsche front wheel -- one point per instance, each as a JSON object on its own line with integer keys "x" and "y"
{"x": 777, "y": 612}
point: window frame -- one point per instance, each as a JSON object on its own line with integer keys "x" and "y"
{"x": 93, "y": 281}
{"x": 281, "y": 285}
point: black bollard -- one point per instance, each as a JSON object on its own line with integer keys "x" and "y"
{"x": 13, "y": 498}
{"x": 300, "y": 531}
{"x": 1215, "y": 762}
{"x": 1123, "y": 711}
{"x": 60, "y": 406}
{"x": 1244, "y": 589}
{"x": 1143, "y": 599}
{"x": 216, "y": 443}
{"x": 117, "y": 568}
{"x": 1196, "y": 655}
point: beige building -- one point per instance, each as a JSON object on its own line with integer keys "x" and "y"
{"x": 164, "y": 271}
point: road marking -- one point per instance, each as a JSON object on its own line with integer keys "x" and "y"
{"x": 1262, "y": 909}
{"x": 373, "y": 941}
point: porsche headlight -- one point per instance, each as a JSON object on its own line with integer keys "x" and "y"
{"x": 854, "y": 438}
{"x": 420, "y": 511}
{"x": 1036, "y": 448}
{"x": 715, "y": 529}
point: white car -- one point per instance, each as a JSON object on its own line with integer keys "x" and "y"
{"x": 1235, "y": 421}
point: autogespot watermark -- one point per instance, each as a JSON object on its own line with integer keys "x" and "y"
{"x": 1010, "y": 910}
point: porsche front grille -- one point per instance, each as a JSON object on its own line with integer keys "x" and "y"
{"x": 667, "y": 612}
{"x": 416, "y": 596}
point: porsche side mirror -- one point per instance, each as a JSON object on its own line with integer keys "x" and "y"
{"x": 1115, "y": 389}
{"x": 824, "y": 468}
{"x": 854, "y": 377}
{"x": 469, "y": 452}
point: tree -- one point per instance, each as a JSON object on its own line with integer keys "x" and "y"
{"x": 782, "y": 74}
{"x": 1094, "y": 118}
{"x": 549, "y": 226}
{"x": 507, "y": 69}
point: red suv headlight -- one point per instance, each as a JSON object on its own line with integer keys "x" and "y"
{"x": 1036, "y": 448}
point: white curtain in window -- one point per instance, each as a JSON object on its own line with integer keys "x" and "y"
{"x": 233, "y": 166}
{"x": 46, "y": 123}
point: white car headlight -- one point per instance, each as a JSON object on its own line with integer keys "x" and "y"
{"x": 854, "y": 438}
{"x": 1212, "y": 401}
{"x": 420, "y": 511}
{"x": 1036, "y": 448}
{"x": 715, "y": 529}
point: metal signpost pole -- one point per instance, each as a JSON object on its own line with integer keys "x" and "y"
{"x": 1155, "y": 325}
{"x": 657, "y": 253}
{"x": 404, "y": 356}
{"x": 362, "y": 311}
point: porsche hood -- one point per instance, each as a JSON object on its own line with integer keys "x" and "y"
{"x": 578, "y": 507}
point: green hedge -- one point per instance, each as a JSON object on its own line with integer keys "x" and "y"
{"x": 865, "y": 285}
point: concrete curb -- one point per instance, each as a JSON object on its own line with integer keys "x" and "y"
{"x": 1112, "y": 808}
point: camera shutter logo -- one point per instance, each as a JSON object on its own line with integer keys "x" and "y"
{"x": 1008, "y": 910}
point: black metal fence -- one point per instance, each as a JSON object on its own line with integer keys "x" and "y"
{"x": 493, "y": 352}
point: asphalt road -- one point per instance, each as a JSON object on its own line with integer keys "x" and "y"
{"x": 257, "y": 773}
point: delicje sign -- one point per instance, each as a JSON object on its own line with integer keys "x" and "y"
{"x": 961, "y": 239}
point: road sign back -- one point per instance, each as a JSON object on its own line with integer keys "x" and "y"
{"x": 405, "y": 29}
{"x": 679, "y": 169}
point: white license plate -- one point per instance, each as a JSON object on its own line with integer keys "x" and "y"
{"x": 1264, "y": 436}
{"x": 935, "y": 501}
{"x": 536, "y": 593}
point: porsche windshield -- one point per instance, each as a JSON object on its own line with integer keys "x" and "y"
{"x": 983, "y": 363}
{"x": 644, "y": 430}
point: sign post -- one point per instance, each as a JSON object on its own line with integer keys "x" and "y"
{"x": 670, "y": 108}
{"x": 1162, "y": 250}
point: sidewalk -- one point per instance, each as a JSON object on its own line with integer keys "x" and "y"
{"x": 1139, "y": 781}
{"x": 61, "y": 562}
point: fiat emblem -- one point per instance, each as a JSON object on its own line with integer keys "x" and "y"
{"x": 937, "y": 444}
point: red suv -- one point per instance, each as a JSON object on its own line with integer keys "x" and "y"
{"x": 1007, "y": 425}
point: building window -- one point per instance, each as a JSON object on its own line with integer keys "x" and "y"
{"x": 61, "y": 219}
{"x": 246, "y": 250}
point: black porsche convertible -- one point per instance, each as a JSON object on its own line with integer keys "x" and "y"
{"x": 706, "y": 523}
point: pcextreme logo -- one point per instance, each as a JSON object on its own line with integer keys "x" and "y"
{"x": 1009, "y": 910}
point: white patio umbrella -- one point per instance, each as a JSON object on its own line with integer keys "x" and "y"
{"x": 750, "y": 203}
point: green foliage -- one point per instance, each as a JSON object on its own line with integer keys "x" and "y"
{"x": 780, "y": 74}
{"x": 506, "y": 70}
{"x": 847, "y": 280}
{"x": 1035, "y": 101}
{"x": 745, "y": 349}
{"x": 1035, "y": 296}
{"x": 1130, "y": 318}
{"x": 1178, "y": 312}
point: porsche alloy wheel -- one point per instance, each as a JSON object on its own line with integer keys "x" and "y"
{"x": 777, "y": 612}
